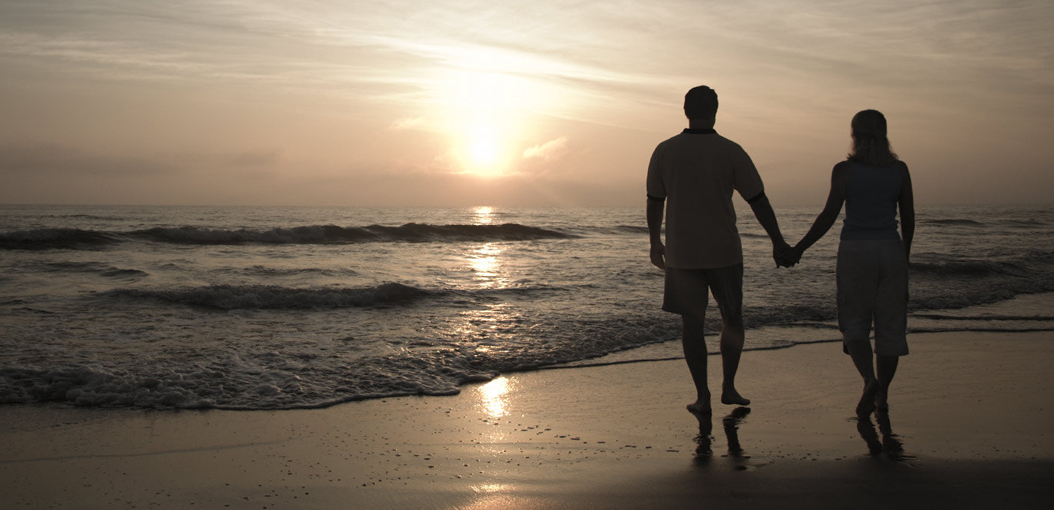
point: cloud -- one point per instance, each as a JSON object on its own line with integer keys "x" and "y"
{"x": 549, "y": 150}
{"x": 55, "y": 159}
{"x": 408, "y": 123}
{"x": 248, "y": 159}
{"x": 55, "y": 173}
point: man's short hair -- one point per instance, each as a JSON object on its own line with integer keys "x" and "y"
{"x": 700, "y": 103}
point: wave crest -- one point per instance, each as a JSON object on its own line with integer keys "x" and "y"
{"x": 271, "y": 297}
{"x": 54, "y": 239}
{"x": 968, "y": 268}
{"x": 70, "y": 238}
{"x": 952, "y": 221}
{"x": 332, "y": 234}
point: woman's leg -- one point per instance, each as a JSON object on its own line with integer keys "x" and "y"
{"x": 891, "y": 324}
{"x": 887, "y": 368}
{"x": 856, "y": 274}
{"x": 860, "y": 352}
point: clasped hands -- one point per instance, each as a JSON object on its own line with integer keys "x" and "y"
{"x": 785, "y": 255}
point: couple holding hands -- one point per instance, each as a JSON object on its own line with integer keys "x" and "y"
{"x": 691, "y": 178}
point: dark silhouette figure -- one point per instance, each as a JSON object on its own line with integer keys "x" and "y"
{"x": 870, "y": 436}
{"x": 704, "y": 441}
{"x": 872, "y": 267}
{"x": 692, "y": 177}
{"x": 731, "y": 424}
{"x": 888, "y": 445}
{"x": 703, "y": 451}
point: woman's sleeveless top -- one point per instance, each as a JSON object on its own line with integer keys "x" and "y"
{"x": 871, "y": 201}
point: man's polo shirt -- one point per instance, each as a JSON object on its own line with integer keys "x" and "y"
{"x": 696, "y": 173}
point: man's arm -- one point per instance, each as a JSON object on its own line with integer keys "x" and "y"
{"x": 658, "y": 251}
{"x": 767, "y": 217}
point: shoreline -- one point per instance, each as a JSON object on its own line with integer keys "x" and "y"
{"x": 970, "y": 412}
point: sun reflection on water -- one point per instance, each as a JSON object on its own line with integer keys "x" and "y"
{"x": 493, "y": 397}
{"x": 485, "y": 261}
{"x": 483, "y": 215}
{"x": 486, "y": 264}
{"x": 490, "y": 487}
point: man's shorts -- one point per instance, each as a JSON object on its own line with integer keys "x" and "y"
{"x": 687, "y": 289}
{"x": 873, "y": 288}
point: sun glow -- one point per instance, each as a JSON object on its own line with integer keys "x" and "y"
{"x": 482, "y": 122}
{"x": 487, "y": 102}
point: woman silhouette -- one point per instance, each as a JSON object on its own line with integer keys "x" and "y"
{"x": 872, "y": 267}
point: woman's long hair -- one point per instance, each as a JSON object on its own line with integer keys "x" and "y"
{"x": 870, "y": 144}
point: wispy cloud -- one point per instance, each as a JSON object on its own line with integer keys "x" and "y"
{"x": 64, "y": 161}
{"x": 548, "y": 150}
{"x": 384, "y": 50}
{"x": 408, "y": 123}
{"x": 60, "y": 162}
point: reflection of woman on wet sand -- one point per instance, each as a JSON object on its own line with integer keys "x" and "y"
{"x": 872, "y": 267}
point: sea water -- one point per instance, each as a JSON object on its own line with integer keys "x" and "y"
{"x": 281, "y": 308}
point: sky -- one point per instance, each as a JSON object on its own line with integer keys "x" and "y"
{"x": 511, "y": 103}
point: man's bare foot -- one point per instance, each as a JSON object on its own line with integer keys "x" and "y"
{"x": 882, "y": 401}
{"x": 733, "y": 398}
{"x": 866, "y": 406}
{"x": 700, "y": 407}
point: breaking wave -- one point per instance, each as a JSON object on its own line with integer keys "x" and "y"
{"x": 42, "y": 239}
{"x": 952, "y": 221}
{"x": 272, "y": 297}
{"x": 55, "y": 239}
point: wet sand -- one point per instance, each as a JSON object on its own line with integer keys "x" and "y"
{"x": 969, "y": 427}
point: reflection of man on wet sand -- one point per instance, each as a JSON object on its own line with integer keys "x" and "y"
{"x": 693, "y": 175}
{"x": 731, "y": 423}
{"x": 888, "y": 444}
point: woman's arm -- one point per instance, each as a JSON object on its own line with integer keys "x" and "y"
{"x": 907, "y": 211}
{"x": 835, "y": 199}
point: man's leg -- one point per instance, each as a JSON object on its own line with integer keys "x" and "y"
{"x": 686, "y": 293}
{"x": 726, "y": 284}
{"x": 732, "y": 337}
{"x": 695, "y": 354}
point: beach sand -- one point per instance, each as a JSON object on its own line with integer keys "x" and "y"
{"x": 970, "y": 418}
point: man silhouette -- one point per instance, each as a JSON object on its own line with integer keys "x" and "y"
{"x": 693, "y": 175}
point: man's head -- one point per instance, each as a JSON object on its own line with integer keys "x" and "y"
{"x": 700, "y": 104}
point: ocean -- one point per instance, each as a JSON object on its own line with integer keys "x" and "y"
{"x": 285, "y": 308}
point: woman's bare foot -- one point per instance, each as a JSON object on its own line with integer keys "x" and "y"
{"x": 867, "y": 400}
{"x": 700, "y": 407}
{"x": 732, "y": 397}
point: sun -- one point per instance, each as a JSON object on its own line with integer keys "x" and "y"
{"x": 482, "y": 121}
{"x": 484, "y": 152}
{"x": 486, "y": 102}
